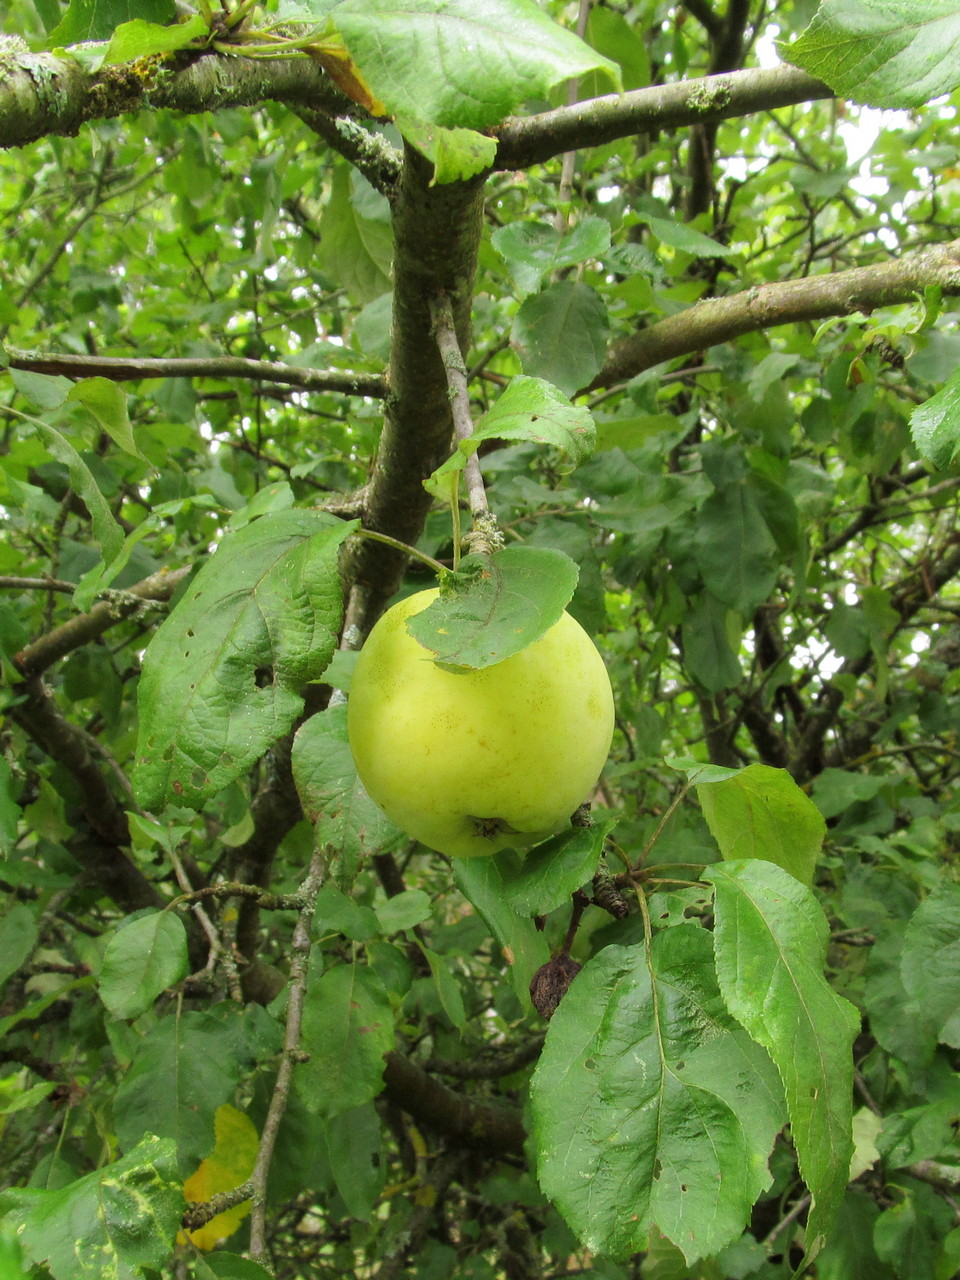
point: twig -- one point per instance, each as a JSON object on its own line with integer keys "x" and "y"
{"x": 299, "y": 964}
{"x": 456, "y": 371}
{"x": 133, "y": 369}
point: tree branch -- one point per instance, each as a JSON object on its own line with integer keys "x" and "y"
{"x": 129, "y": 369}
{"x": 480, "y": 1126}
{"x": 41, "y": 654}
{"x": 716, "y": 320}
{"x": 436, "y": 239}
{"x": 42, "y": 94}
{"x": 523, "y": 142}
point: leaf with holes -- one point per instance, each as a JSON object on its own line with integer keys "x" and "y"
{"x": 650, "y": 1106}
{"x": 223, "y": 677}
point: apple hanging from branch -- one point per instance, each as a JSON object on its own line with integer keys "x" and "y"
{"x": 472, "y": 761}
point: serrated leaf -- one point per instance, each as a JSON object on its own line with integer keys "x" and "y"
{"x": 183, "y": 1069}
{"x": 107, "y": 403}
{"x": 105, "y": 528}
{"x": 734, "y": 547}
{"x": 519, "y": 594}
{"x": 347, "y": 1030}
{"x": 404, "y": 910}
{"x": 532, "y": 250}
{"x": 529, "y": 409}
{"x": 98, "y": 19}
{"x": 451, "y": 1001}
{"x": 354, "y": 1147}
{"x": 18, "y": 937}
{"x": 481, "y": 881}
{"x": 450, "y": 63}
{"x": 650, "y": 1106}
{"x": 930, "y": 961}
{"x": 139, "y": 39}
{"x": 457, "y": 154}
{"x": 884, "y": 53}
{"x": 332, "y": 795}
{"x": 230, "y": 1266}
{"x": 228, "y": 1165}
{"x": 112, "y": 1222}
{"x": 935, "y": 425}
{"x": 356, "y": 250}
{"x": 761, "y": 813}
{"x": 143, "y": 958}
{"x": 561, "y": 334}
{"x": 554, "y": 870}
{"x": 222, "y": 677}
{"x": 688, "y": 239}
{"x": 770, "y": 937}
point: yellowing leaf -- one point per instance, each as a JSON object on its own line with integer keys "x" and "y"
{"x": 228, "y": 1165}
{"x": 345, "y": 74}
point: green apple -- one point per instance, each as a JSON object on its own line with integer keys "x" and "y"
{"x": 476, "y": 761}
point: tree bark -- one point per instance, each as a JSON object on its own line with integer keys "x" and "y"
{"x": 716, "y": 320}
{"x": 436, "y": 239}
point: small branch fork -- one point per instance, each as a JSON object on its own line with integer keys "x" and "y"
{"x": 456, "y": 371}
{"x": 255, "y": 1188}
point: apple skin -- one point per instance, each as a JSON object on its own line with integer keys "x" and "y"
{"x": 469, "y": 763}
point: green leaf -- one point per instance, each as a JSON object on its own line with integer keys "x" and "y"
{"x": 347, "y": 1030}
{"x": 142, "y": 959}
{"x": 479, "y": 620}
{"x": 354, "y": 1147}
{"x": 554, "y": 870}
{"x": 111, "y": 1223}
{"x": 18, "y": 937}
{"x": 107, "y": 404}
{"x": 332, "y": 795}
{"x": 935, "y": 425}
{"x": 761, "y": 813}
{"x": 734, "y": 547}
{"x": 452, "y": 63}
{"x": 482, "y": 881}
{"x": 139, "y": 39}
{"x": 708, "y": 651}
{"x": 355, "y": 249}
{"x": 229, "y": 1266}
{"x": 885, "y": 53}
{"x": 561, "y": 334}
{"x": 650, "y": 1107}
{"x": 222, "y": 677}
{"x": 685, "y": 238}
{"x": 98, "y": 19}
{"x": 930, "y": 963}
{"x": 451, "y": 1001}
{"x": 529, "y": 409}
{"x": 457, "y": 154}
{"x": 771, "y": 939}
{"x": 532, "y": 250}
{"x": 182, "y": 1070}
{"x": 337, "y": 912}
{"x": 404, "y": 911}
{"x": 105, "y": 528}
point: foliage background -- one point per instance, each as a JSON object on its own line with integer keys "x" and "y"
{"x": 768, "y": 556}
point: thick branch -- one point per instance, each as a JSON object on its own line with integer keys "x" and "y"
{"x": 41, "y": 94}
{"x": 436, "y": 238}
{"x": 601, "y": 120}
{"x": 130, "y": 369}
{"x": 464, "y": 1122}
{"x": 56, "y": 644}
{"x": 765, "y": 306}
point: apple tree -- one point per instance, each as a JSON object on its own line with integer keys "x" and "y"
{"x": 642, "y": 312}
